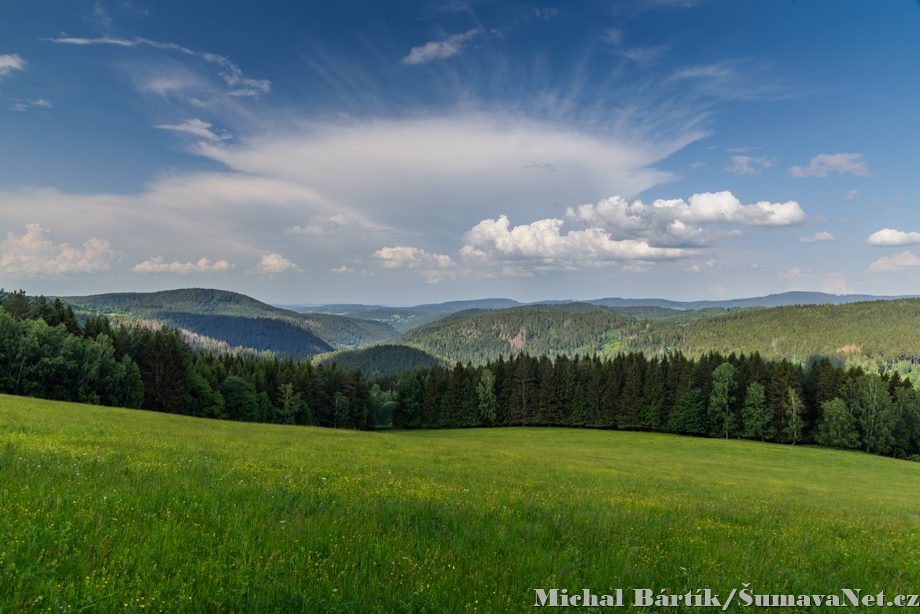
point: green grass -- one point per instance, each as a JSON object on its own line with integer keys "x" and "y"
{"x": 110, "y": 510}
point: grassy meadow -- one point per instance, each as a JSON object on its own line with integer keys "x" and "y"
{"x": 111, "y": 510}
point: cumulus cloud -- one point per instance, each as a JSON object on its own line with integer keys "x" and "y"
{"x": 400, "y": 257}
{"x": 192, "y": 126}
{"x": 37, "y": 254}
{"x": 893, "y": 263}
{"x": 817, "y": 238}
{"x": 437, "y": 50}
{"x": 542, "y": 243}
{"x": 852, "y": 194}
{"x": 890, "y": 236}
{"x": 342, "y": 269}
{"x": 157, "y": 265}
{"x": 742, "y": 165}
{"x": 273, "y": 264}
{"x": 230, "y": 73}
{"x": 824, "y": 164}
{"x": 676, "y": 223}
{"x": 9, "y": 63}
{"x": 795, "y": 273}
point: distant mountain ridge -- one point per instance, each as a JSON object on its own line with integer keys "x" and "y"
{"x": 782, "y": 299}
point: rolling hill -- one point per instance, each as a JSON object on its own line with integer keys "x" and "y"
{"x": 379, "y": 360}
{"x": 224, "y": 315}
{"x": 884, "y": 330}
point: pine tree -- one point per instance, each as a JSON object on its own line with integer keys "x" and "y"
{"x": 757, "y": 415}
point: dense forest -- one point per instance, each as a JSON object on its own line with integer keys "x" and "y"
{"x": 875, "y": 335}
{"x": 379, "y": 360}
{"x": 46, "y": 353}
{"x": 884, "y": 330}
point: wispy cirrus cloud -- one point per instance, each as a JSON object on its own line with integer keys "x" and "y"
{"x": 231, "y": 73}
{"x": 824, "y": 164}
{"x": 743, "y": 165}
{"x": 818, "y": 237}
{"x": 204, "y": 266}
{"x": 890, "y": 237}
{"x": 193, "y": 126}
{"x": 438, "y": 50}
{"x": 25, "y": 105}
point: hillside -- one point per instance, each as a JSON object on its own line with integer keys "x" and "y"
{"x": 484, "y": 337}
{"x": 379, "y": 360}
{"x": 883, "y": 330}
{"x": 173, "y": 306}
{"x": 243, "y": 517}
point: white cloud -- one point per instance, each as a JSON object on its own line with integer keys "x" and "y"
{"x": 342, "y": 269}
{"x": 333, "y": 224}
{"x": 437, "y": 50}
{"x": 694, "y": 269}
{"x": 409, "y": 166}
{"x": 893, "y": 263}
{"x": 719, "y": 290}
{"x": 25, "y": 105}
{"x": 743, "y": 166}
{"x": 9, "y": 63}
{"x": 156, "y": 266}
{"x": 696, "y": 165}
{"x": 674, "y": 222}
{"x": 37, "y": 254}
{"x": 493, "y": 241}
{"x": 890, "y": 237}
{"x": 273, "y": 264}
{"x": 192, "y": 126}
{"x": 231, "y": 74}
{"x": 824, "y": 164}
{"x": 400, "y": 257}
{"x": 817, "y": 237}
{"x": 836, "y": 283}
{"x": 415, "y": 175}
{"x": 795, "y": 273}
{"x": 852, "y": 194}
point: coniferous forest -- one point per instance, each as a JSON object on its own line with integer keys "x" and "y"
{"x": 46, "y": 353}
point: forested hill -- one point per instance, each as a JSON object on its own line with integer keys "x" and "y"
{"x": 886, "y": 331}
{"x": 380, "y": 360}
{"x": 195, "y": 309}
{"x": 481, "y": 338}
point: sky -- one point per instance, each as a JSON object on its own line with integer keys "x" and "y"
{"x": 406, "y": 152}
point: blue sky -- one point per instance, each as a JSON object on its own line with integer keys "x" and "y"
{"x": 411, "y": 152}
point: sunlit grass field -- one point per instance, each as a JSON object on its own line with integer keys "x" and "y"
{"x": 111, "y": 510}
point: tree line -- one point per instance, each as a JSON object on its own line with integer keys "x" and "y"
{"x": 46, "y": 353}
{"x": 734, "y": 396}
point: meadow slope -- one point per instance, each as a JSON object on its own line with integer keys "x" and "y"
{"x": 112, "y": 510}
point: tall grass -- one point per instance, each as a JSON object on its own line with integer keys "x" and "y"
{"x": 110, "y": 510}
